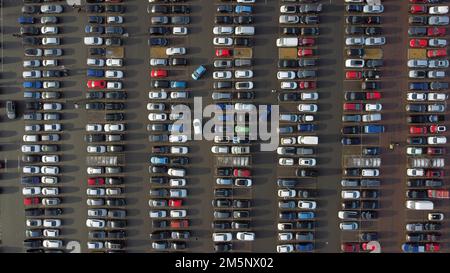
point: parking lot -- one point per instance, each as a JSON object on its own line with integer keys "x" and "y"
{"x": 194, "y": 218}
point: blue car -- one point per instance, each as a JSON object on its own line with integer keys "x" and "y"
{"x": 419, "y": 86}
{"x": 198, "y": 73}
{"x": 304, "y": 247}
{"x": 99, "y": 73}
{"x": 306, "y": 127}
{"x": 243, "y": 9}
{"x": 31, "y": 95}
{"x": 306, "y": 215}
{"x": 26, "y": 20}
{"x": 224, "y": 106}
{"x": 175, "y": 128}
{"x": 288, "y": 215}
{"x": 30, "y": 180}
{"x": 159, "y": 160}
{"x": 373, "y": 129}
{"x": 35, "y": 84}
{"x": 178, "y": 84}
{"x": 413, "y": 248}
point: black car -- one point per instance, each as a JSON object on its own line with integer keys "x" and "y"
{"x": 373, "y": 31}
{"x": 97, "y": 234}
{"x": 351, "y": 96}
{"x": 287, "y": 183}
{"x": 223, "y": 247}
{"x": 374, "y": 63}
{"x": 96, "y": 19}
{"x": 355, "y": 52}
{"x": 180, "y": 20}
{"x": 95, "y": 106}
{"x": 223, "y": 171}
{"x": 179, "y": 160}
{"x": 242, "y": 41}
{"x": 418, "y": 20}
{"x": 94, "y": 138}
{"x": 289, "y": 96}
{"x": 180, "y": 9}
{"x": 313, "y": 31}
{"x": 33, "y": 105}
{"x": 95, "y": 8}
{"x": 290, "y": 31}
{"x": 31, "y": 158}
{"x": 417, "y": 119}
{"x": 287, "y": 63}
{"x": 160, "y": 235}
{"x": 54, "y": 73}
{"x": 116, "y": 95}
{"x": 366, "y": 85}
{"x": 29, "y": 30}
{"x": 350, "y": 141}
{"x": 355, "y": 20}
{"x": 245, "y": 95}
{"x": 224, "y": 9}
{"x": 416, "y": 194}
{"x": 354, "y": 8}
{"x": 370, "y": 205}
{"x": 416, "y": 108}
{"x": 371, "y": 74}
{"x": 158, "y": 9}
{"x": 354, "y": 30}
{"x": 160, "y": 224}
{"x": 158, "y": 138}
{"x": 370, "y": 194}
{"x": 34, "y": 212}
{"x": 115, "y": 202}
{"x": 114, "y": 106}
{"x": 177, "y": 61}
{"x": 306, "y": 173}
{"x": 351, "y": 204}
{"x": 32, "y": 243}
{"x": 304, "y": 225}
{"x": 243, "y": 20}
{"x": 158, "y": 42}
{"x": 53, "y": 212}
{"x": 368, "y": 215}
{"x": 160, "y": 84}
{"x": 240, "y": 203}
{"x": 351, "y": 130}
{"x": 114, "y": 116}
{"x": 31, "y": 41}
{"x": 307, "y": 62}
{"x": 371, "y": 150}
{"x": 222, "y": 84}
{"x": 223, "y": 20}
{"x": 113, "y": 181}
{"x": 113, "y": 41}
{"x": 115, "y": 8}
{"x": 417, "y": 31}
{"x": 157, "y": 169}
{"x": 221, "y": 203}
{"x": 97, "y": 51}
{"x": 439, "y": 85}
{"x": 158, "y": 30}
{"x": 94, "y": 95}
{"x": 352, "y": 172}
{"x": 221, "y": 225}
{"x": 30, "y": 9}
{"x": 368, "y": 236}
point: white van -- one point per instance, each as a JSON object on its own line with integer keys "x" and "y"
{"x": 287, "y": 42}
{"x": 419, "y": 205}
{"x": 308, "y": 140}
{"x": 176, "y": 172}
{"x": 240, "y": 30}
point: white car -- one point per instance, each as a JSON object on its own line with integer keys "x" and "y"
{"x": 96, "y": 149}
{"x": 370, "y": 172}
{"x": 414, "y": 150}
{"x": 288, "y": 85}
{"x": 49, "y": 169}
{"x": 114, "y": 85}
{"x": 31, "y": 191}
{"x": 437, "y": 140}
{"x": 33, "y": 74}
{"x": 56, "y": 127}
{"x": 94, "y": 127}
{"x": 371, "y": 41}
{"x": 370, "y": 107}
{"x": 31, "y": 63}
{"x": 283, "y": 161}
{"x": 243, "y": 74}
{"x": 438, "y": 10}
{"x": 51, "y": 84}
{"x": 49, "y": 180}
{"x": 285, "y": 236}
{"x": 30, "y": 138}
{"x": 95, "y": 62}
{"x": 50, "y": 63}
{"x": 50, "y": 191}
{"x": 303, "y": 204}
{"x": 179, "y": 30}
{"x": 157, "y": 116}
{"x": 414, "y": 96}
{"x": 49, "y": 30}
{"x": 51, "y": 41}
{"x": 354, "y": 63}
{"x": 435, "y": 42}
{"x": 350, "y": 194}
{"x": 373, "y": 8}
{"x": 415, "y": 172}
{"x": 179, "y": 150}
{"x": 114, "y": 127}
{"x": 114, "y": 74}
{"x": 285, "y": 248}
{"x": 51, "y": 9}
{"x": 223, "y": 30}
{"x": 175, "y": 51}
{"x": 157, "y": 214}
{"x": 31, "y": 148}
{"x": 95, "y": 245}
{"x": 437, "y": 96}
{"x": 33, "y": 222}
{"x": 176, "y": 172}
{"x": 417, "y": 63}
{"x": 310, "y": 162}
{"x": 309, "y": 95}
{"x": 157, "y": 95}
{"x": 288, "y": 19}
{"x": 222, "y": 237}
{"x": 114, "y": 62}
{"x": 51, "y": 223}
{"x": 311, "y": 108}
{"x": 114, "y": 20}
{"x": 93, "y": 40}
{"x": 178, "y": 138}
{"x": 197, "y": 126}
{"x": 95, "y": 223}
{"x": 51, "y": 233}
{"x": 179, "y": 213}
{"x": 354, "y": 41}
{"x": 31, "y": 169}
{"x": 177, "y": 182}
{"x": 286, "y": 193}
{"x": 95, "y": 170}
{"x": 52, "y": 244}
{"x": 50, "y": 158}
{"x": 55, "y": 106}
{"x": 245, "y": 236}
{"x": 222, "y": 75}
{"x": 220, "y": 149}
{"x": 288, "y": 141}
{"x": 286, "y": 75}
{"x": 222, "y": 41}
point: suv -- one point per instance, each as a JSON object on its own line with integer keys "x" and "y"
{"x": 11, "y": 109}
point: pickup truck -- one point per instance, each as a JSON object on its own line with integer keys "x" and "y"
{"x": 417, "y": 53}
{"x": 373, "y": 53}
{"x": 440, "y": 194}
{"x": 243, "y": 53}
{"x": 115, "y": 52}
{"x": 287, "y": 53}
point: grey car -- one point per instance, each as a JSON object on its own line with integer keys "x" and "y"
{"x": 438, "y": 20}
{"x": 159, "y": 20}
{"x": 221, "y": 96}
{"x": 242, "y": 62}
{"x": 304, "y": 236}
{"x": 180, "y": 20}
{"x": 351, "y": 118}
{"x": 11, "y": 109}
{"x": 301, "y": 74}
{"x": 222, "y": 63}
{"x": 114, "y": 30}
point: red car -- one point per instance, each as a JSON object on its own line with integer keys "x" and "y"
{"x": 305, "y": 52}
{"x": 353, "y": 106}
{"x": 307, "y": 85}
{"x": 437, "y": 129}
{"x": 223, "y": 52}
{"x": 179, "y": 223}
{"x": 98, "y": 84}
{"x": 417, "y": 130}
{"x": 418, "y": 43}
{"x": 306, "y": 41}
{"x": 30, "y": 201}
{"x": 432, "y": 247}
{"x": 373, "y": 95}
{"x": 434, "y": 173}
{"x": 175, "y": 203}
{"x": 241, "y": 173}
{"x": 436, "y": 53}
{"x": 158, "y": 73}
{"x": 93, "y": 181}
{"x": 414, "y": 9}
{"x": 436, "y": 31}
{"x": 435, "y": 151}
{"x": 350, "y": 247}
{"x": 353, "y": 75}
